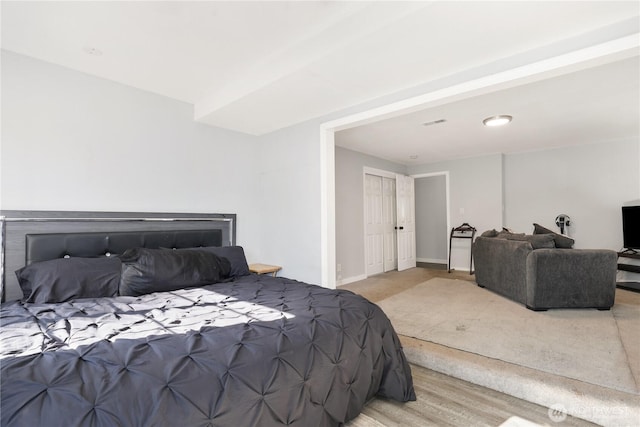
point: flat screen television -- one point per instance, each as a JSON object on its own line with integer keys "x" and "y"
{"x": 631, "y": 226}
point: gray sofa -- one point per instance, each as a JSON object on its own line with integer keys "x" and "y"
{"x": 532, "y": 271}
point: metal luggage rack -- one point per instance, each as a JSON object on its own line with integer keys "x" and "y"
{"x": 464, "y": 231}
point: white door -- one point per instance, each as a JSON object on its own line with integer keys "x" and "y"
{"x": 389, "y": 209}
{"x": 406, "y": 222}
{"x": 374, "y": 229}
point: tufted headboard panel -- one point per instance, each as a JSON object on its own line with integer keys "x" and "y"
{"x": 43, "y": 247}
{"x": 31, "y": 236}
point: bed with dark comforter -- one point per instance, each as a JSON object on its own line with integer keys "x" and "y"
{"x": 249, "y": 350}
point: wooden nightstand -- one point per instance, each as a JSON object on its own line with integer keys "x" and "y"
{"x": 265, "y": 269}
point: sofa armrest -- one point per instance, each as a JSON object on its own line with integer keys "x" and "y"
{"x": 571, "y": 278}
{"x": 500, "y": 265}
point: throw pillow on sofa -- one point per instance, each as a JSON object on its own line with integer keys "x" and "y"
{"x": 505, "y": 233}
{"x": 489, "y": 233}
{"x": 561, "y": 241}
{"x": 538, "y": 241}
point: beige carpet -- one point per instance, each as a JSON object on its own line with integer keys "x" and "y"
{"x": 584, "y": 345}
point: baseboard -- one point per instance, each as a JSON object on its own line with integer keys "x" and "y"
{"x": 466, "y": 268}
{"x": 629, "y": 286}
{"x": 432, "y": 260}
{"x": 352, "y": 279}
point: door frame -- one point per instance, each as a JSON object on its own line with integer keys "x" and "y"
{"x": 366, "y": 170}
{"x": 447, "y": 200}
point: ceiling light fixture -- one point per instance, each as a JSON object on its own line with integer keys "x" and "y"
{"x": 413, "y": 157}
{"x": 497, "y": 120}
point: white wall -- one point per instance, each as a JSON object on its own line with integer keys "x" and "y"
{"x": 590, "y": 183}
{"x": 71, "y": 141}
{"x": 288, "y": 201}
{"x": 350, "y": 208}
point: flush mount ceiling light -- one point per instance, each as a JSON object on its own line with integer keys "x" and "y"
{"x": 497, "y": 120}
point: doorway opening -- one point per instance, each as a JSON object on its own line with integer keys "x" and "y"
{"x": 432, "y": 219}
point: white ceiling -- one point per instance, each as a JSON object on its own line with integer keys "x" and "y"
{"x": 593, "y": 105}
{"x": 256, "y": 67}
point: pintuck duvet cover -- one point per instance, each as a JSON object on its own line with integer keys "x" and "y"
{"x": 255, "y": 351}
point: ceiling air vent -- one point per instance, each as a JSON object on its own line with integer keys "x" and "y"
{"x": 435, "y": 122}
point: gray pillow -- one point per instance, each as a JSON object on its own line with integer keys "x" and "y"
{"x": 560, "y": 240}
{"x": 158, "y": 270}
{"x": 235, "y": 255}
{"x": 489, "y": 233}
{"x": 538, "y": 241}
{"x": 504, "y": 234}
{"x": 64, "y": 279}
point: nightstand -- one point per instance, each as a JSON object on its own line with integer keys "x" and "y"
{"x": 265, "y": 269}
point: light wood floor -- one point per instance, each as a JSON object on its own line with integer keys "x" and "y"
{"x": 443, "y": 400}
{"x": 446, "y": 401}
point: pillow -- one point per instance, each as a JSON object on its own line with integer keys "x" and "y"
{"x": 235, "y": 255}
{"x": 63, "y": 279}
{"x": 156, "y": 270}
{"x": 561, "y": 241}
{"x": 538, "y": 241}
{"x": 489, "y": 233}
{"x": 504, "y": 234}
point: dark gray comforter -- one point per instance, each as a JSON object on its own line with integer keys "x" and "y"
{"x": 256, "y": 351}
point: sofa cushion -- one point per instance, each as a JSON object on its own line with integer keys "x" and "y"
{"x": 560, "y": 240}
{"x": 538, "y": 241}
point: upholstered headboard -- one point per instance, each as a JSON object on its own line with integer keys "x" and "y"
{"x": 33, "y": 236}
{"x": 43, "y": 247}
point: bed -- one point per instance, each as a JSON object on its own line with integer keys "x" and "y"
{"x": 168, "y": 327}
